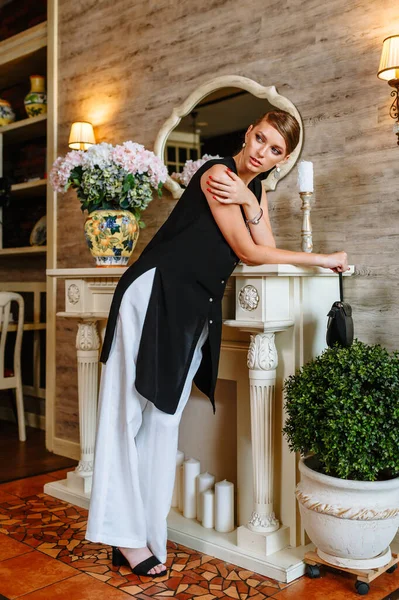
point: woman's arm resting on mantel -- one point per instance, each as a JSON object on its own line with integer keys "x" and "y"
{"x": 230, "y": 222}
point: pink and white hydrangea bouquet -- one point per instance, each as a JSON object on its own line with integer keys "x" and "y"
{"x": 111, "y": 177}
{"x": 190, "y": 167}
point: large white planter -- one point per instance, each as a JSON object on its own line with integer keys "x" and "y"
{"x": 352, "y": 523}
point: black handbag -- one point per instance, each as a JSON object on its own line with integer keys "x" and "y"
{"x": 340, "y": 322}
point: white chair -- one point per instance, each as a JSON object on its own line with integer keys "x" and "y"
{"x": 12, "y": 379}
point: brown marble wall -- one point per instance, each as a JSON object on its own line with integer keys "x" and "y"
{"x": 124, "y": 66}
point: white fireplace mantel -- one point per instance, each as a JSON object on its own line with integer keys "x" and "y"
{"x": 284, "y": 309}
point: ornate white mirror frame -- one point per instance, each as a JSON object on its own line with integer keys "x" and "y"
{"x": 269, "y": 93}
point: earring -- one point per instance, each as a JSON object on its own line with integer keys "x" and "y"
{"x": 277, "y": 172}
{"x": 244, "y": 144}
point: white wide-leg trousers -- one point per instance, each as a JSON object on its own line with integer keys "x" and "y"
{"x": 136, "y": 443}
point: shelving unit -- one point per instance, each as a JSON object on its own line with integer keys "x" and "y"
{"x": 28, "y": 327}
{"x": 34, "y": 187}
{"x": 25, "y": 129}
{"x": 22, "y": 55}
{"x": 33, "y": 323}
{"x": 23, "y": 250}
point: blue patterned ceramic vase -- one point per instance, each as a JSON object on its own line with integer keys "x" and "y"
{"x": 111, "y": 236}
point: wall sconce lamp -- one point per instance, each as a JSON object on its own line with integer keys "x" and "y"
{"x": 81, "y": 135}
{"x": 389, "y": 71}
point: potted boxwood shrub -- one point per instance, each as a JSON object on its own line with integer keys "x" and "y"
{"x": 343, "y": 417}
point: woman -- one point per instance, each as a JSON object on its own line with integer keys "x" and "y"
{"x": 164, "y": 331}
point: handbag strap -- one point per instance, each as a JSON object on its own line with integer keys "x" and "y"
{"x": 341, "y": 287}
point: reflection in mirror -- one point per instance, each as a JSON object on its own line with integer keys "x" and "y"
{"x": 213, "y": 121}
{"x": 216, "y": 126}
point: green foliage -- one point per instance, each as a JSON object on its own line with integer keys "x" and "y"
{"x": 343, "y": 406}
{"x": 111, "y": 188}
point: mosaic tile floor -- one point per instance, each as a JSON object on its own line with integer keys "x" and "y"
{"x": 43, "y": 556}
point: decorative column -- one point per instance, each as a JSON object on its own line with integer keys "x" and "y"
{"x": 262, "y": 533}
{"x": 262, "y": 363}
{"x": 87, "y": 346}
{"x": 88, "y": 297}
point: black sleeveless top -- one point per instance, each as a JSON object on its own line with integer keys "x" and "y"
{"x": 193, "y": 262}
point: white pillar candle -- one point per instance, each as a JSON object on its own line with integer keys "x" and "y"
{"x": 224, "y": 506}
{"x": 208, "y": 508}
{"x": 305, "y": 176}
{"x": 180, "y": 498}
{"x": 191, "y": 470}
{"x": 205, "y": 481}
{"x": 176, "y": 489}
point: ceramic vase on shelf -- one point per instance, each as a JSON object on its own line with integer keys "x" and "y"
{"x": 7, "y": 115}
{"x": 111, "y": 236}
{"x": 36, "y": 100}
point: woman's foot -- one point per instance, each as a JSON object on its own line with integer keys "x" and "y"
{"x": 137, "y": 555}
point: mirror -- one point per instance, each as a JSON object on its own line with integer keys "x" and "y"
{"x": 213, "y": 120}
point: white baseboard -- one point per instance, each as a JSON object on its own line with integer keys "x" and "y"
{"x": 66, "y": 448}
{"x": 285, "y": 565}
{"x": 31, "y": 419}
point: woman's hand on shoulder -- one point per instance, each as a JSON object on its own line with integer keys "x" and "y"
{"x": 225, "y": 186}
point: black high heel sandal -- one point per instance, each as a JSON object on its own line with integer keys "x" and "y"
{"x": 119, "y": 560}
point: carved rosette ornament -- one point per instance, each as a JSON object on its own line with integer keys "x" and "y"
{"x": 248, "y": 297}
{"x": 87, "y": 337}
{"x": 73, "y": 293}
{"x": 262, "y": 352}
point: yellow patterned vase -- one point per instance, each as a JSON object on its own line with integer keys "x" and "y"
{"x": 111, "y": 236}
{"x": 36, "y": 100}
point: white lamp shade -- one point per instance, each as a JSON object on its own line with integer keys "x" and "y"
{"x": 389, "y": 63}
{"x": 81, "y": 135}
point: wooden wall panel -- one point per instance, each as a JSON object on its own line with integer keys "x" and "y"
{"x": 124, "y": 66}
{"x": 29, "y": 267}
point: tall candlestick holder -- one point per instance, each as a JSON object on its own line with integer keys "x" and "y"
{"x": 306, "y": 232}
